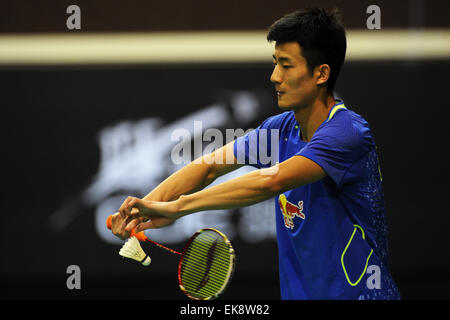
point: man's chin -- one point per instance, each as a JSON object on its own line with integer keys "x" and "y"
{"x": 284, "y": 106}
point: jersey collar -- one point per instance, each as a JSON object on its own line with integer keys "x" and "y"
{"x": 339, "y": 105}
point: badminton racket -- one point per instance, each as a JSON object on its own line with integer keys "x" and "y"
{"x": 206, "y": 264}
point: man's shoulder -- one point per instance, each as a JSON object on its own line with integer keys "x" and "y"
{"x": 279, "y": 121}
{"x": 346, "y": 128}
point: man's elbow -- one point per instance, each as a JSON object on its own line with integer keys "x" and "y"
{"x": 270, "y": 182}
{"x": 276, "y": 183}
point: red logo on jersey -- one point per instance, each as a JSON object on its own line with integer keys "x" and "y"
{"x": 290, "y": 211}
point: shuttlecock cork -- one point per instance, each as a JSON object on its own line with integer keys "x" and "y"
{"x": 132, "y": 249}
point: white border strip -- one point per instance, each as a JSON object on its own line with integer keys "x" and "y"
{"x": 399, "y": 45}
{"x": 204, "y": 47}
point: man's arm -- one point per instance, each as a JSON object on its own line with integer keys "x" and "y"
{"x": 196, "y": 175}
{"x": 248, "y": 189}
{"x": 253, "y": 187}
{"x": 189, "y": 179}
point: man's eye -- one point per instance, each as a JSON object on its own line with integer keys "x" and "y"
{"x": 287, "y": 67}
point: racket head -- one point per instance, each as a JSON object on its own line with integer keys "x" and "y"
{"x": 207, "y": 265}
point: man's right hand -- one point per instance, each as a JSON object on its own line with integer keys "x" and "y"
{"x": 122, "y": 227}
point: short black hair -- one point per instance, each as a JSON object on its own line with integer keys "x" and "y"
{"x": 320, "y": 34}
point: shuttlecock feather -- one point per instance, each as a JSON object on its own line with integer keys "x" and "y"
{"x": 132, "y": 249}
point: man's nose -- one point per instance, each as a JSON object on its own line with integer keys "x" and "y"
{"x": 275, "y": 78}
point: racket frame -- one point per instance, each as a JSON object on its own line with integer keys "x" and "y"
{"x": 230, "y": 270}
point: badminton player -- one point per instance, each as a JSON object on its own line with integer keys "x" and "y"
{"x": 329, "y": 203}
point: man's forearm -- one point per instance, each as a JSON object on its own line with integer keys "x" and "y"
{"x": 196, "y": 175}
{"x": 243, "y": 191}
{"x": 253, "y": 187}
{"x": 191, "y": 178}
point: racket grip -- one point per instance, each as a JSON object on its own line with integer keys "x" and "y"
{"x": 140, "y": 235}
{"x": 109, "y": 222}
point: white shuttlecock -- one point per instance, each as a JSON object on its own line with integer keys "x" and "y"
{"x": 132, "y": 249}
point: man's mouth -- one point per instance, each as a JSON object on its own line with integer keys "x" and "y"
{"x": 279, "y": 93}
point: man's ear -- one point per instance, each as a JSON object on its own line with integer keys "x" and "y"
{"x": 323, "y": 74}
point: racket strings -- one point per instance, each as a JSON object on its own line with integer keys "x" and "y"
{"x": 207, "y": 265}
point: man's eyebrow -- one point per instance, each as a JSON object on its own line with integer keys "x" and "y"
{"x": 281, "y": 59}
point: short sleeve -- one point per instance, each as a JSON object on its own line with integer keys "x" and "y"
{"x": 336, "y": 146}
{"x": 259, "y": 147}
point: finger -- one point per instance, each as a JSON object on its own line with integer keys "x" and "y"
{"x": 131, "y": 217}
{"x": 123, "y": 236}
{"x": 133, "y": 214}
{"x": 118, "y": 227}
{"x": 133, "y": 223}
{"x": 116, "y": 220}
{"x": 134, "y": 211}
{"x": 125, "y": 222}
{"x": 144, "y": 226}
{"x": 124, "y": 208}
{"x": 133, "y": 203}
{"x": 130, "y": 205}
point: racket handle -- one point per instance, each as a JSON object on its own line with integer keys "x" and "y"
{"x": 140, "y": 235}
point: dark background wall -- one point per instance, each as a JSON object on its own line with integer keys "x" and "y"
{"x": 52, "y": 117}
{"x": 140, "y": 15}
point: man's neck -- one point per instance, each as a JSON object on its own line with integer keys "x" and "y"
{"x": 311, "y": 117}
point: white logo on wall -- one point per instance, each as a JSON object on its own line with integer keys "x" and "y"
{"x": 73, "y": 21}
{"x": 373, "y": 21}
{"x": 74, "y": 279}
{"x": 135, "y": 156}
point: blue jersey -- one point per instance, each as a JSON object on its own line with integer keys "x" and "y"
{"x": 332, "y": 234}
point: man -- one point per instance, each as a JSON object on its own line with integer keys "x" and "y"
{"x": 330, "y": 215}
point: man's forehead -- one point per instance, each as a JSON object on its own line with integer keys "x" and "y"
{"x": 287, "y": 50}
